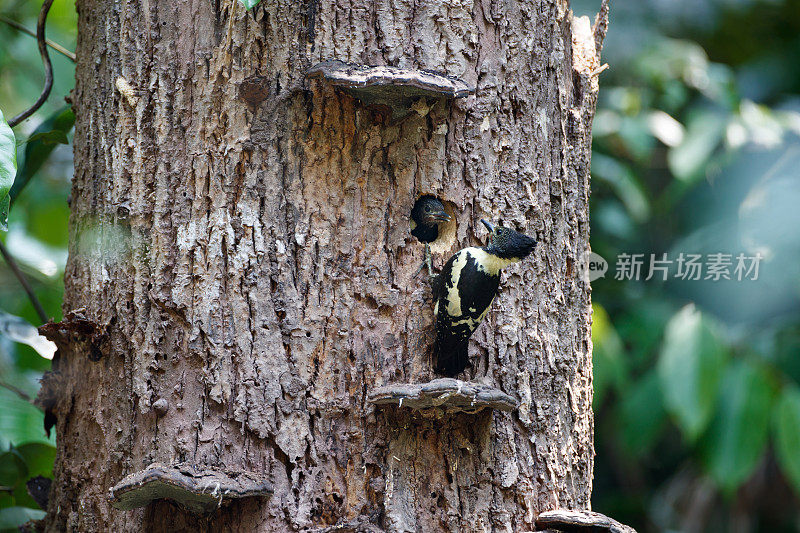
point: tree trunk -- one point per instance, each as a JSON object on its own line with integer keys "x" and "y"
{"x": 240, "y": 246}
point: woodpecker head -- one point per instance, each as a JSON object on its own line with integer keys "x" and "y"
{"x": 428, "y": 212}
{"x": 507, "y": 243}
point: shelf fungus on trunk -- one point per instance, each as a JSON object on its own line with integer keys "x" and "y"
{"x": 397, "y": 88}
{"x": 571, "y": 521}
{"x": 200, "y": 490}
{"x": 447, "y": 394}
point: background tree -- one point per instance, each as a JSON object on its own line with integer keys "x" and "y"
{"x": 241, "y": 269}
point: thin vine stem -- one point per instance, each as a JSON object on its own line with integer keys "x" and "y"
{"x": 52, "y": 44}
{"x": 48, "y": 66}
{"x": 12, "y": 264}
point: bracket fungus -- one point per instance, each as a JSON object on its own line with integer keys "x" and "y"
{"x": 397, "y": 88}
{"x": 579, "y": 521}
{"x": 198, "y": 490}
{"x": 444, "y": 393}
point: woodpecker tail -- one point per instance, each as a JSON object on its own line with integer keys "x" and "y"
{"x": 451, "y": 362}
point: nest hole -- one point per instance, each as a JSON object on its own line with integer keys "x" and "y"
{"x": 447, "y": 230}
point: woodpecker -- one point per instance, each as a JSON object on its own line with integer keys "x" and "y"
{"x": 426, "y": 216}
{"x": 465, "y": 289}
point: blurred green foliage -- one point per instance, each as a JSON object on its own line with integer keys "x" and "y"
{"x": 37, "y": 237}
{"x": 696, "y": 150}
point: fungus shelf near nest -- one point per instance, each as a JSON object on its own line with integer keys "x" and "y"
{"x": 570, "y": 521}
{"x": 198, "y": 490}
{"x": 397, "y": 88}
{"x": 445, "y": 393}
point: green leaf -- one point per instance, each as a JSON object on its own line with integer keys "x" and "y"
{"x": 787, "y": 434}
{"x": 611, "y": 218}
{"x": 688, "y": 160}
{"x": 250, "y": 4}
{"x": 19, "y": 330}
{"x": 624, "y": 183}
{"x": 642, "y": 325}
{"x": 20, "y": 421}
{"x": 610, "y": 370}
{"x": 5, "y": 205}
{"x": 737, "y": 437}
{"x": 13, "y": 517}
{"x": 49, "y": 137}
{"x": 641, "y": 416}
{"x": 37, "y": 150}
{"x": 8, "y": 168}
{"x": 39, "y": 458}
{"x": 689, "y": 369}
{"x": 634, "y": 132}
{"x": 13, "y": 469}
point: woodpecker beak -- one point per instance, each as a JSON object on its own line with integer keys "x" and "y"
{"x": 440, "y": 216}
{"x": 488, "y": 225}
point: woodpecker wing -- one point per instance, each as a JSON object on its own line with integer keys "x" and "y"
{"x": 464, "y": 291}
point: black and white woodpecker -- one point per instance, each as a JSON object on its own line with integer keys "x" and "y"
{"x": 465, "y": 289}
{"x": 427, "y": 214}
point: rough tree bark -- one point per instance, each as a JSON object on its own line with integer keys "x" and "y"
{"x": 240, "y": 248}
